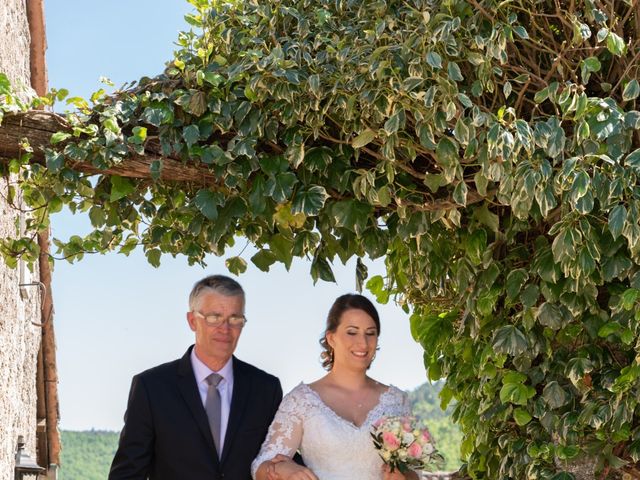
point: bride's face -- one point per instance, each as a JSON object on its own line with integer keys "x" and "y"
{"x": 355, "y": 340}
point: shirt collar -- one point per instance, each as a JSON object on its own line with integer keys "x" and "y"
{"x": 201, "y": 371}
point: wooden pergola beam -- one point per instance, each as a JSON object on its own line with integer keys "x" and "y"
{"x": 38, "y": 126}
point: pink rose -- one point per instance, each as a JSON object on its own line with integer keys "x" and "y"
{"x": 390, "y": 440}
{"x": 406, "y": 426}
{"x": 426, "y": 436}
{"x": 415, "y": 450}
{"x": 379, "y": 422}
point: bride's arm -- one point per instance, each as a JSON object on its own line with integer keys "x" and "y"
{"x": 283, "y": 439}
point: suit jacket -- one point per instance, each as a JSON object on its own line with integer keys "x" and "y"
{"x": 166, "y": 434}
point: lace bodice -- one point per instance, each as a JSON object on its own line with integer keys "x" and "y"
{"x": 332, "y": 447}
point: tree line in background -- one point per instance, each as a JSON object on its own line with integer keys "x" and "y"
{"x": 87, "y": 455}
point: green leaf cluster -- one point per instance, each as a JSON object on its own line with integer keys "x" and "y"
{"x": 490, "y": 155}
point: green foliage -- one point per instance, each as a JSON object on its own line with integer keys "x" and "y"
{"x": 489, "y": 151}
{"x": 87, "y": 455}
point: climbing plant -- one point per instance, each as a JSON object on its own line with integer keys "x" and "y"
{"x": 489, "y": 151}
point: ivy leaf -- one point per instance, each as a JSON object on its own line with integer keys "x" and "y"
{"x": 97, "y": 216}
{"x": 460, "y": 194}
{"x": 447, "y": 157}
{"x": 5, "y": 84}
{"x": 158, "y": 113}
{"x": 282, "y": 249}
{"x": 263, "y": 259}
{"x": 155, "y": 169}
{"x": 120, "y": 188}
{"x": 236, "y": 265}
{"x": 555, "y": 395}
{"x": 563, "y": 476}
{"x": 521, "y": 416}
{"x": 577, "y": 368}
{"x": 615, "y": 44}
{"x": 352, "y": 215}
{"x": 514, "y": 377}
{"x": 609, "y": 328}
{"x": 529, "y": 296}
{"x": 153, "y": 257}
{"x": 191, "y": 134}
{"x": 509, "y": 339}
{"x": 59, "y": 137}
{"x": 320, "y": 269}
{"x": 617, "y": 219}
{"x": 587, "y": 66}
{"x": 631, "y": 90}
{"x": 515, "y": 280}
{"x": 628, "y": 298}
{"x": 435, "y": 60}
{"x": 309, "y": 200}
{"x": 208, "y": 202}
{"x": 281, "y": 186}
{"x": 521, "y": 32}
{"x": 454, "y": 73}
{"x": 314, "y": 84}
{"x": 552, "y": 316}
{"x": 516, "y": 393}
{"x": 486, "y": 217}
{"x": 475, "y": 245}
{"x": 54, "y": 160}
{"x": 364, "y": 138}
{"x": 361, "y": 274}
{"x": 393, "y": 123}
{"x": 295, "y": 154}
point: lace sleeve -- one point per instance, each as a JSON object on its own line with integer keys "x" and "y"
{"x": 405, "y": 405}
{"x": 285, "y": 432}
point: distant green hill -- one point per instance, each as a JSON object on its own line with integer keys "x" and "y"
{"x": 425, "y": 405}
{"x": 87, "y": 455}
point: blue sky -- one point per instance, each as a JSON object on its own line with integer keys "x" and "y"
{"x": 117, "y": 315}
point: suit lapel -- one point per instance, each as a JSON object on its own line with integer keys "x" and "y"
{"x": 239, "y": 398}
{"x": 189, "y": 391}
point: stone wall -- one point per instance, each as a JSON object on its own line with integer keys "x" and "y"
{"x": 19, "y": 306}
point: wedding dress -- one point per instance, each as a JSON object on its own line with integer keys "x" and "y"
{"x": 332, "y": 448}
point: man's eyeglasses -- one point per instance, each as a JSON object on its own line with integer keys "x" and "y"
{"x": 216, "y": 320}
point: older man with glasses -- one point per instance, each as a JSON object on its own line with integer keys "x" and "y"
{"x": 205, "y": 415}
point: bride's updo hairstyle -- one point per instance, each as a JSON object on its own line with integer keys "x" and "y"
{"x": 350, "y": 301}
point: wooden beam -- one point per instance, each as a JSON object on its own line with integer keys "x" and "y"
{"x": 38, "y": 127}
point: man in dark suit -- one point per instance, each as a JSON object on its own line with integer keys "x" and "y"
{"x": 181, "y": 424}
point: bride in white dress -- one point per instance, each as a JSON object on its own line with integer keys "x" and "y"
{"x": 329, "y": 421}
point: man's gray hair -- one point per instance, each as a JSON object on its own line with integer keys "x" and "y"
{"x": 219, "y": 284}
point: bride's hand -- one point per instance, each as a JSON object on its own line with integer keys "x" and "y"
{"x": 290, "y": 470}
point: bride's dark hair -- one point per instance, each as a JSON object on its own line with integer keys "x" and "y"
{"x": 350, "y": 301}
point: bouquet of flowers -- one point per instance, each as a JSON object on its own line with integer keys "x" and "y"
{"x": 403, "y": 444}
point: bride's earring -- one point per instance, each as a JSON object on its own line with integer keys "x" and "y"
{"x": 374, "y": 354}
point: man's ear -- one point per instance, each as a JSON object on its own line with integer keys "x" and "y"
{"x": 191, "y": 320}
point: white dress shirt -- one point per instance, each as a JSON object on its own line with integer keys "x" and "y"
{"x": 225, "y": 387}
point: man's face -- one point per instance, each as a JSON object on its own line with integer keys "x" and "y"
{"x": 216, "y": 344}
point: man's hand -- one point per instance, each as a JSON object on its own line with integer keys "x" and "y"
{"x": 282, "y": 467}
{"x": 271, "y": 468}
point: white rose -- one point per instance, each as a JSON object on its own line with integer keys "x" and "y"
{"x": 407, "y": 438}
{"x": 386, "y": 455}
{"x": 428, "y": 448}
